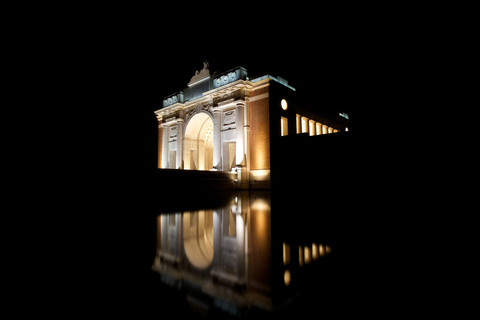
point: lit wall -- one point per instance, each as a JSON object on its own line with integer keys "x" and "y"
{"x": 160, "y": 141}
{"x": 259, "y": 132}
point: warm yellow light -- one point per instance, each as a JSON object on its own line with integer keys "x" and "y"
{"x": 314, "y": 251}
{"x": 300, "y": 256}
{"x": 284, "y": 126}
{"x": 308, "y": 256}
{"x": 284, "y": 104}
{"x": 286, "y": 253}
{"x": 260, "y": 205}
{"x": 304, "y": 125}
{"x": 328, "y": 249}
{"x": 287, "y": 277}
{"x": 321, "y": 250}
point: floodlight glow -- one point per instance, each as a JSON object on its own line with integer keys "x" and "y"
{"x": 284, "y": 104}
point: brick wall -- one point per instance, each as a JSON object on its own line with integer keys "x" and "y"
{"x": 259, "y": 131}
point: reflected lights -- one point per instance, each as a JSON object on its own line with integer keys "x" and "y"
{"x": 261, "y": 205}
{"x": 286, "y": 253}
{"x": 287, "y": 277}
{"x": 305, "y": 256}
{"x": 314, "y": 251}
{"x": 300, "y": 256}
{"x": 321, "y": 250}
{"x": 308, "y": 257}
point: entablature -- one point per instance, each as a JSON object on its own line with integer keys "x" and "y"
{"x": 228, "y": 88}
{"x": 220, "y": 97}
{"x": 168, "y": 111}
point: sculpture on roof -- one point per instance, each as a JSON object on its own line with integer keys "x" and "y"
{"x": 202, "y": 74}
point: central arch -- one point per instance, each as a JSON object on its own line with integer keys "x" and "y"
{"x": 198, "y": 147}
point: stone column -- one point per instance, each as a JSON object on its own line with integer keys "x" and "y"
{"x": 239, "y": 123}
{"x": 311, "y": 128}
{"x": 217, "y": 146}
{"x": 159, "y": 144}
{"x": 299, "y": 124}
{"x": 179, "y": 144}
{"x": 166, "y": 134}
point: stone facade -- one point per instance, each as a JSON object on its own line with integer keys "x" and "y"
{"x": 227, "y": 122}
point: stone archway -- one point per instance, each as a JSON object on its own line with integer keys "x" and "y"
{"x": 198, "y": 143}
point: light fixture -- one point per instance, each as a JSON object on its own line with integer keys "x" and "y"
{"x": 284, "y": 104}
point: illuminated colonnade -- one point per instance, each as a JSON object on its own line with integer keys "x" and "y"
{"x": 312, "y": 127}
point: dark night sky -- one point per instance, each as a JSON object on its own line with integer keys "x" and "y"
{"x": 329, "y": 63}
{"x": 120, "y": 76}
{"x": 325, "y": 75}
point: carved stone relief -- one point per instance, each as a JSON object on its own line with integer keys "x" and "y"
{"x": 173, "y": 133}
{"x": 229, "y": 117}
{"x": 190, "y": 112}
{"x": 230, "y": 77}
{"x": 206, "y": 106}
{"x": 233, "y": 75}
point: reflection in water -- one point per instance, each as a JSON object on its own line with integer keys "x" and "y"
{"x": 228, "y": 259}
{"x": 198, "y": 238}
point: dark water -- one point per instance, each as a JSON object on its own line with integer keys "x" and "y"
{"x": 245, "y": 254}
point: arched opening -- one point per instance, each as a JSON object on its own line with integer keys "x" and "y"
{"x": 198, "y": 147}
{"x": 198, "y": 238}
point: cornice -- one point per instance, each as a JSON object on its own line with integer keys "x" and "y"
{"x": 168, "y": 110}
{"x": 208, "y": 96}
{"x": 260, "y": 84}
{"x": 232, "y": 86}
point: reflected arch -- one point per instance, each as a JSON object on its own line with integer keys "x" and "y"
{"x": 198, "y": 238}
{"x": 198, "y": 143}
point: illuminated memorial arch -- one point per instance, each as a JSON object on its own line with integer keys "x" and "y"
{"x": 229, "y": 122}
{"x": 198, "y": 143}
